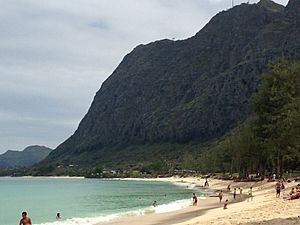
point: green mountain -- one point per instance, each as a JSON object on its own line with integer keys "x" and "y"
{"x": 26, "y": 158}
{"x": 168, "y": 98}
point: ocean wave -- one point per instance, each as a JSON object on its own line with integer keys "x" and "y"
{"x": 173, "y": 206}
{"x": 163, "y": 208}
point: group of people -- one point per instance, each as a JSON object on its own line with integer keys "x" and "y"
{"x": 221, "y": 194}
{"x": 294, "y": 193}
{"x": 25, "y": 220}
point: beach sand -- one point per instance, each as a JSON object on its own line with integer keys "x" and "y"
{"x": 264, "y": 209}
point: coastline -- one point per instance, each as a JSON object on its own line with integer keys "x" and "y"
{"x": 182, "y": 215}
{"x": 51, "y": 177}
{"x": 264, "y": 209}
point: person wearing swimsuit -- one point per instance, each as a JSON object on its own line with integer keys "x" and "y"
{"x": 278, "y": 188}
{"x": 220, "y": 195}
{"x": 25, "y": 220}
{"x": 195, "y": 199}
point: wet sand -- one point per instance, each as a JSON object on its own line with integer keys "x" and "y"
{"x": 179, "y": 216}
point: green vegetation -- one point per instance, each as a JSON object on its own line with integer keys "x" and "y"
{"x": 26, "y": 158}
{"x": 269, "y": 142}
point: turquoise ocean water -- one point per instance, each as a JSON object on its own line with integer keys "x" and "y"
{"x": 86, "y": 201}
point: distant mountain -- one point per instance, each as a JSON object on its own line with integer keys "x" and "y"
{"x": 26, "y": 158}
{"x": 181, "y": 92}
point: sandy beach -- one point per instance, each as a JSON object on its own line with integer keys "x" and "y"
{"x": 264, "y": 209}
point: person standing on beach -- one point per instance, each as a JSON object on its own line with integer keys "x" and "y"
{"x": 234, "y": 193}
{"x": 241, "y": 191}
{"x": 25, "y": 220}
{"x": 221, "y": 195}
{"x": 278, "y": 188}
{"x": 250, "y": 194}
{"x": 195, "y": 199}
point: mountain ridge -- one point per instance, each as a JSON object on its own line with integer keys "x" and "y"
{"x": 26, "y": 158}
{"x": 193, "y": 90}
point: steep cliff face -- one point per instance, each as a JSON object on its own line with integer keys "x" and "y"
{"x": 293, "y": 9}
{"x": 191, "y": 90}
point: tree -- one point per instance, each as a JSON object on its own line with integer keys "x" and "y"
{"x": 277, "y": 112}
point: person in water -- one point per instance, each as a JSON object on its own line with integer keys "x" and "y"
{"x": 25, "y": 220}
{"x": 58, "y": 216}
{"x": 195, "y": 199}
{"x": 154, "y": 204}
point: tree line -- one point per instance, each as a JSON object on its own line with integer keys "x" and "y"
{"x": 269, "y": 141}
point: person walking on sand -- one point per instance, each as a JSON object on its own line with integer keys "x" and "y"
{"x": 221, "y": 195}
{"x": 228, "y": 187}
{"x": 206, "y": 183}
{"x": 195, "y": 199}
{"x": 25, "y": 220}
{"x": 278, "y": 188}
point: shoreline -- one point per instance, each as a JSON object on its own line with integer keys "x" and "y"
{"x": 181, "y": 215}
{"x": 263, "y": 209}
{"x": 50, "y": 177}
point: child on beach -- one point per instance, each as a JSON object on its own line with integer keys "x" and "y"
{"x": 225, "y": 204}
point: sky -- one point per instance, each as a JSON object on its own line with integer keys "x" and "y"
{"x": 55, "y": 54}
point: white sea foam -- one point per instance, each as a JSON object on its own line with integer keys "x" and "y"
{"x": 185, "y": 185}
{"x": 173, "y": 206}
